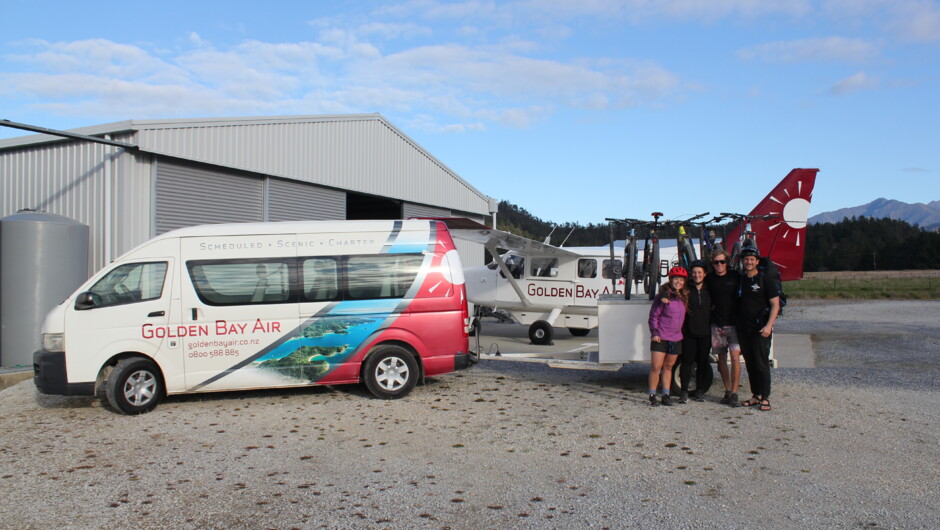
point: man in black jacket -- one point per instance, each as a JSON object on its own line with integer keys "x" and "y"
{"x": 759, "y": 306}
{"x": 723, "y": 287}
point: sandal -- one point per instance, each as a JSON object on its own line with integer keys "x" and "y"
{"x": 764, "y": 405}
{"x": 754, "y": 400}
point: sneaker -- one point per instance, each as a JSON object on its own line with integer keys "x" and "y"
{"x": 683, "y": 397}
{"x": 698, "y": 396}
{"x": 734, "y": 400}
{"x": 727, "y": 399}
{"x": 666, "y": 400}
{"x": 653, "y": 402}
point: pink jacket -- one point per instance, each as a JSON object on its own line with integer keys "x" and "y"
{"x": 666, "y": 319}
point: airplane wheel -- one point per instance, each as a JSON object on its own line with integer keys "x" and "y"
{"x": 579, "y": 332}
{"x": 541, "y": 333}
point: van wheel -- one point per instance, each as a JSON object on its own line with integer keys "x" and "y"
{"x": 579, "y": 332}
{"x": 541, "y": 333}
{"x": 134, "y": 386}
{"x": 390, "y": 372}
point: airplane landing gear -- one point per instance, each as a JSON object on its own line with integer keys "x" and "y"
{"x": 541, "y": 333}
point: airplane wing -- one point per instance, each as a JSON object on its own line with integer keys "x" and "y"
{"x": 470, "y": 230}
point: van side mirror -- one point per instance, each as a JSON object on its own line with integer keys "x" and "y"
{"x": 84, "y": 301}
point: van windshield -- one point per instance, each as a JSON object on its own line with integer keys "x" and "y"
{"x": 126, "y": 284}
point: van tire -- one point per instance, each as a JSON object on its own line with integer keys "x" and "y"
{"x": 579, "y": 332}
{"x": 134, "y": 386}
{"x": 390, "y": 372}
{"x": 541, "y": 333}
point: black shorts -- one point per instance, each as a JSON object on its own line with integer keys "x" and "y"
{"x": 669, "y": 347}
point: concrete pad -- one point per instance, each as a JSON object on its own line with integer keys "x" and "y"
{"x": 10, "y": 377}
{"x": 512, "y": 343}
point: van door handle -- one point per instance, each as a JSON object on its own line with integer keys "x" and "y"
{"x": 157, "y": 314}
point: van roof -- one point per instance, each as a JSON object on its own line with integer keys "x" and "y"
{"x": 289, "y": 227}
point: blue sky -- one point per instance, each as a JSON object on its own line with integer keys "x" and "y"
{"x": 575, "y": 111}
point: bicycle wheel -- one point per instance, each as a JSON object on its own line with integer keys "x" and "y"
{"x": 736, "y": 256}
{"x": 688, "y": 252}
{"x": 654, "y": 271}
{"x": 629, "y": 268}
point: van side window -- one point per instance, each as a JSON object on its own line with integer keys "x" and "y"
{"x": 587, "y": 268}
{"x": 127, "y": 284}
{"x": 544, "y": 267}
{"x": 321, "y": 279}
{"x": 241, "y": 282}
{"x": 384, "y": 276}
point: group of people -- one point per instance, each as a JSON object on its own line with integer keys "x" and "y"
{"x": 725, "y": 312}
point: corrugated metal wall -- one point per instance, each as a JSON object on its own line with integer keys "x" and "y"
{"x": 97, "y": 185}
{"x": 364, "y": 154}
{"x": 188, "y": 196}
{"x": 298, "y": 201}
{"x": 420, "y": 210}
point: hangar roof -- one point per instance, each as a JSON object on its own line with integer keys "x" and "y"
{"x": 366, "y": 153}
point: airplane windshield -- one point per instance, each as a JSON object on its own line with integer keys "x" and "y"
{"x": 514, "y": 262}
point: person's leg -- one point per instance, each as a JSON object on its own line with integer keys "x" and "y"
{"x": 735, "y": 376}
{"x": 750, "y": 350}
{"x": 720, "y": 349}
{"x": 656, "y": 366}
{"x": 703, "y": 368}
{"x": 762, "y": 359}
{"x": 666, "y": 377}
{"x": 687, "y": 361}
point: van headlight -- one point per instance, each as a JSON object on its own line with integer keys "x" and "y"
{"x": 53, "y": 342}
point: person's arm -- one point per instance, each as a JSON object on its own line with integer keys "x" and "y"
{"x": 774, "y": 311}
{"x": 656, "y": 311}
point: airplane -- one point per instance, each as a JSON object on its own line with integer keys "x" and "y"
{"x": 544, "y": 286}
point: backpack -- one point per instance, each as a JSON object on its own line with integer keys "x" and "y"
{"x": 770, "y": 271}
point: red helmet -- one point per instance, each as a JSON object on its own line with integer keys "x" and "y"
{"x": 678, "y": 271}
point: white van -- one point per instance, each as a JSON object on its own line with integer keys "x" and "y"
{"x": 262, "y": 305}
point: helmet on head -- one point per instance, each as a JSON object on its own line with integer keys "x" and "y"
{"x": 678, "y": 271}
{"x": 697, "y": 263}
{"x": 750, "y": 251}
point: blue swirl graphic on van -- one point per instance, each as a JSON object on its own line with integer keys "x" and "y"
{"x": 327, "y": 341}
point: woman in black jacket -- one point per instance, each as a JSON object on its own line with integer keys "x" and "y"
{"x": 696, "y": 333}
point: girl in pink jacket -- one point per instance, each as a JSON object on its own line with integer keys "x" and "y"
{"x": 666, "y": 317}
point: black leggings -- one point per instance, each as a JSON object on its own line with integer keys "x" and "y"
{"x": 695, "y": 352}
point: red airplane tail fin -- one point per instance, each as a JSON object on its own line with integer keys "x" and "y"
{"x": 783, "y": 237}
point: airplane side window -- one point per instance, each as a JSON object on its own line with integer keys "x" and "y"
{"x": 544, "y": 267}
{"x": 617, "y": 269}
{"x": 587, "y": 268}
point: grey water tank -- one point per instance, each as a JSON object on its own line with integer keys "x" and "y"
{"x": 43, "y": 259}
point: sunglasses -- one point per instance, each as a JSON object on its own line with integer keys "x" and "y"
{"x": 720, "y": 261}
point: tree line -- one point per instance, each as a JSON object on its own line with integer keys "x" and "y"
{"x": 857, "y": 244}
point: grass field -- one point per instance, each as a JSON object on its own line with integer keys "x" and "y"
{"x": 893, "y": 285}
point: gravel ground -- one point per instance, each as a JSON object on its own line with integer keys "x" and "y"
{"x": 851, "y": 443}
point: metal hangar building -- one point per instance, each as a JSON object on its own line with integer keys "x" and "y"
{"x": 184, "y": 172}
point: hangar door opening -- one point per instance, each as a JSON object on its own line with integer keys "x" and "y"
{"x": 359, "y": 206}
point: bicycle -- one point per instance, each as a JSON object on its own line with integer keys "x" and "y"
{"x": 708, "y": 237}
{"x": 685, "y": 248}
{"x": 747, "y": 238}
{"x": 630, "y": 253}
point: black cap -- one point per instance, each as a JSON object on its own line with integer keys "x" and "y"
{"x": 750, "y": 251}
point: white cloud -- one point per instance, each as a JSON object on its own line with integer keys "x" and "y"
{"x": 853, "y": 83}
{"x": 814, "y": 49}
{"x": 339, "y": 72}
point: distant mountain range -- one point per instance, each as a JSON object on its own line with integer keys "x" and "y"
{"x": 925, "y": 215}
